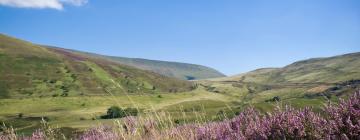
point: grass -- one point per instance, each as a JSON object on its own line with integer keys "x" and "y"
{"x": 67, "y": 111}
{"x": 81, "y": 112}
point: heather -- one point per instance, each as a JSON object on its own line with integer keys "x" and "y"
{"x": 337, "y": 121}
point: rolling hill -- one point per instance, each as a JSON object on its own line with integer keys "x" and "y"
{"x": 317, "y": 70}
{"x": 172, "y": 69}
{"x": 309, "y": 82}
{"x": 27, "y": 69}
{"x": 178, "y": 70}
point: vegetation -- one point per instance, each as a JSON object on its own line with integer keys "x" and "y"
{"x": 171, "y": 69}
{"x": 317, "y": 70}
{"x": 117, "y": 112}
{"x": 339, "y": 122}
{"x": 29, "y": 70}
{"x": 71, "y": 91}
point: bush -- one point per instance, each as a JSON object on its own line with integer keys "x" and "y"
{"x": 20, "y": 115}
{"x": 177, "y": 121}
{"x": 114, "y": 112}
{"x": 274, "y": 99}
{"x": 117, "y": 112}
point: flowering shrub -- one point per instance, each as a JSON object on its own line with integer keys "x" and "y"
{"x": 344, "y": 119}
{"x": 340, "y": 121}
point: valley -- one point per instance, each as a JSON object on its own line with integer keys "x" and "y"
{"x": 71, "y": 90}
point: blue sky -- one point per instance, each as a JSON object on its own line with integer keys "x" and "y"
{"x": 232, "y": 36}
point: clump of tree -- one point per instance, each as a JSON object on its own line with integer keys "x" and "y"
{"x": 274, "y": 99}
{"x": 117, "y": 112}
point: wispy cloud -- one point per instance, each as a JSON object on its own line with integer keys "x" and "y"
{"x": 54, "y": 4}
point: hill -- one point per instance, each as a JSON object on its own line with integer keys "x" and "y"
{"x": 309, "y": 82}
{"x": 32, "y": 70}
{"x": 178, "y": 70}
{"x": 317, "y": 70}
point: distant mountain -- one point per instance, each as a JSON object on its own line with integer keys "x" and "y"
{"x": 27, "y": 69}
{"x": 178, "y": 70}
{"x": 328, "y": 70}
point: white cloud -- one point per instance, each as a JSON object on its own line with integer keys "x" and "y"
{"x": 75, "y": 2}
{"x": 54, "y": 4}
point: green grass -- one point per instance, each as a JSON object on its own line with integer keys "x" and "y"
{"x": 67, "y": 111}
{"x": 78, "y": 112}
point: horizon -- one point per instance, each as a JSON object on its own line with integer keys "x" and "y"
{"x": 230, "y": 36}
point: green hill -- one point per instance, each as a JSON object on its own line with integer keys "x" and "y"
{"x": 27, "y": 69}
{"x": 178, "y": 70}
{"x": 317, "y": 70}
{"x": 311, "y": 82}
{"x": 171, "y": 69}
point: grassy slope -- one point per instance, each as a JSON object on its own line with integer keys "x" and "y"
{"x": 172, "y": 69}
{"x": 30, "y": 70}
{"x": 327, "y": 70}
{"x": 302, "y": 83}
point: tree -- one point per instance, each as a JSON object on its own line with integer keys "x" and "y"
{"x": 117, "y": 112}
{"x": 114, "y": 112}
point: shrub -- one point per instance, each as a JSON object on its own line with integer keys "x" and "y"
{"x": 274, "y": 99}
{"x": 114, "y": 112}
{"x": 117, "y": 112}
{"x": 177, "y": 121}
{"x": 20, "y": 115}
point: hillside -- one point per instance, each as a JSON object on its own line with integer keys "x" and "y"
{"x": 171, "y": 69}
{"x": 32, "y": 70}
{"x": 322, "y": 70}
{"x": 178, "y": 70}
{"x": 304, "y": 83}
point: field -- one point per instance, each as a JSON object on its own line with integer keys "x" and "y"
{"x": 82, "y": 112}
{"x": 209, "y": 101}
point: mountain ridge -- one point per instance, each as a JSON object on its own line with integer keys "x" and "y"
{"x": 180, "y": 70}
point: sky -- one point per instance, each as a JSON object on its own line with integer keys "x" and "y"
{"x": 232, "y": 36}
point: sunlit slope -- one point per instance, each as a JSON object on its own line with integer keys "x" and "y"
{"x": 27, "y": 69}
{"x": 178, "y": 70}
{"x": 171, "y": 69}
{"x": 324, "y": 70}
